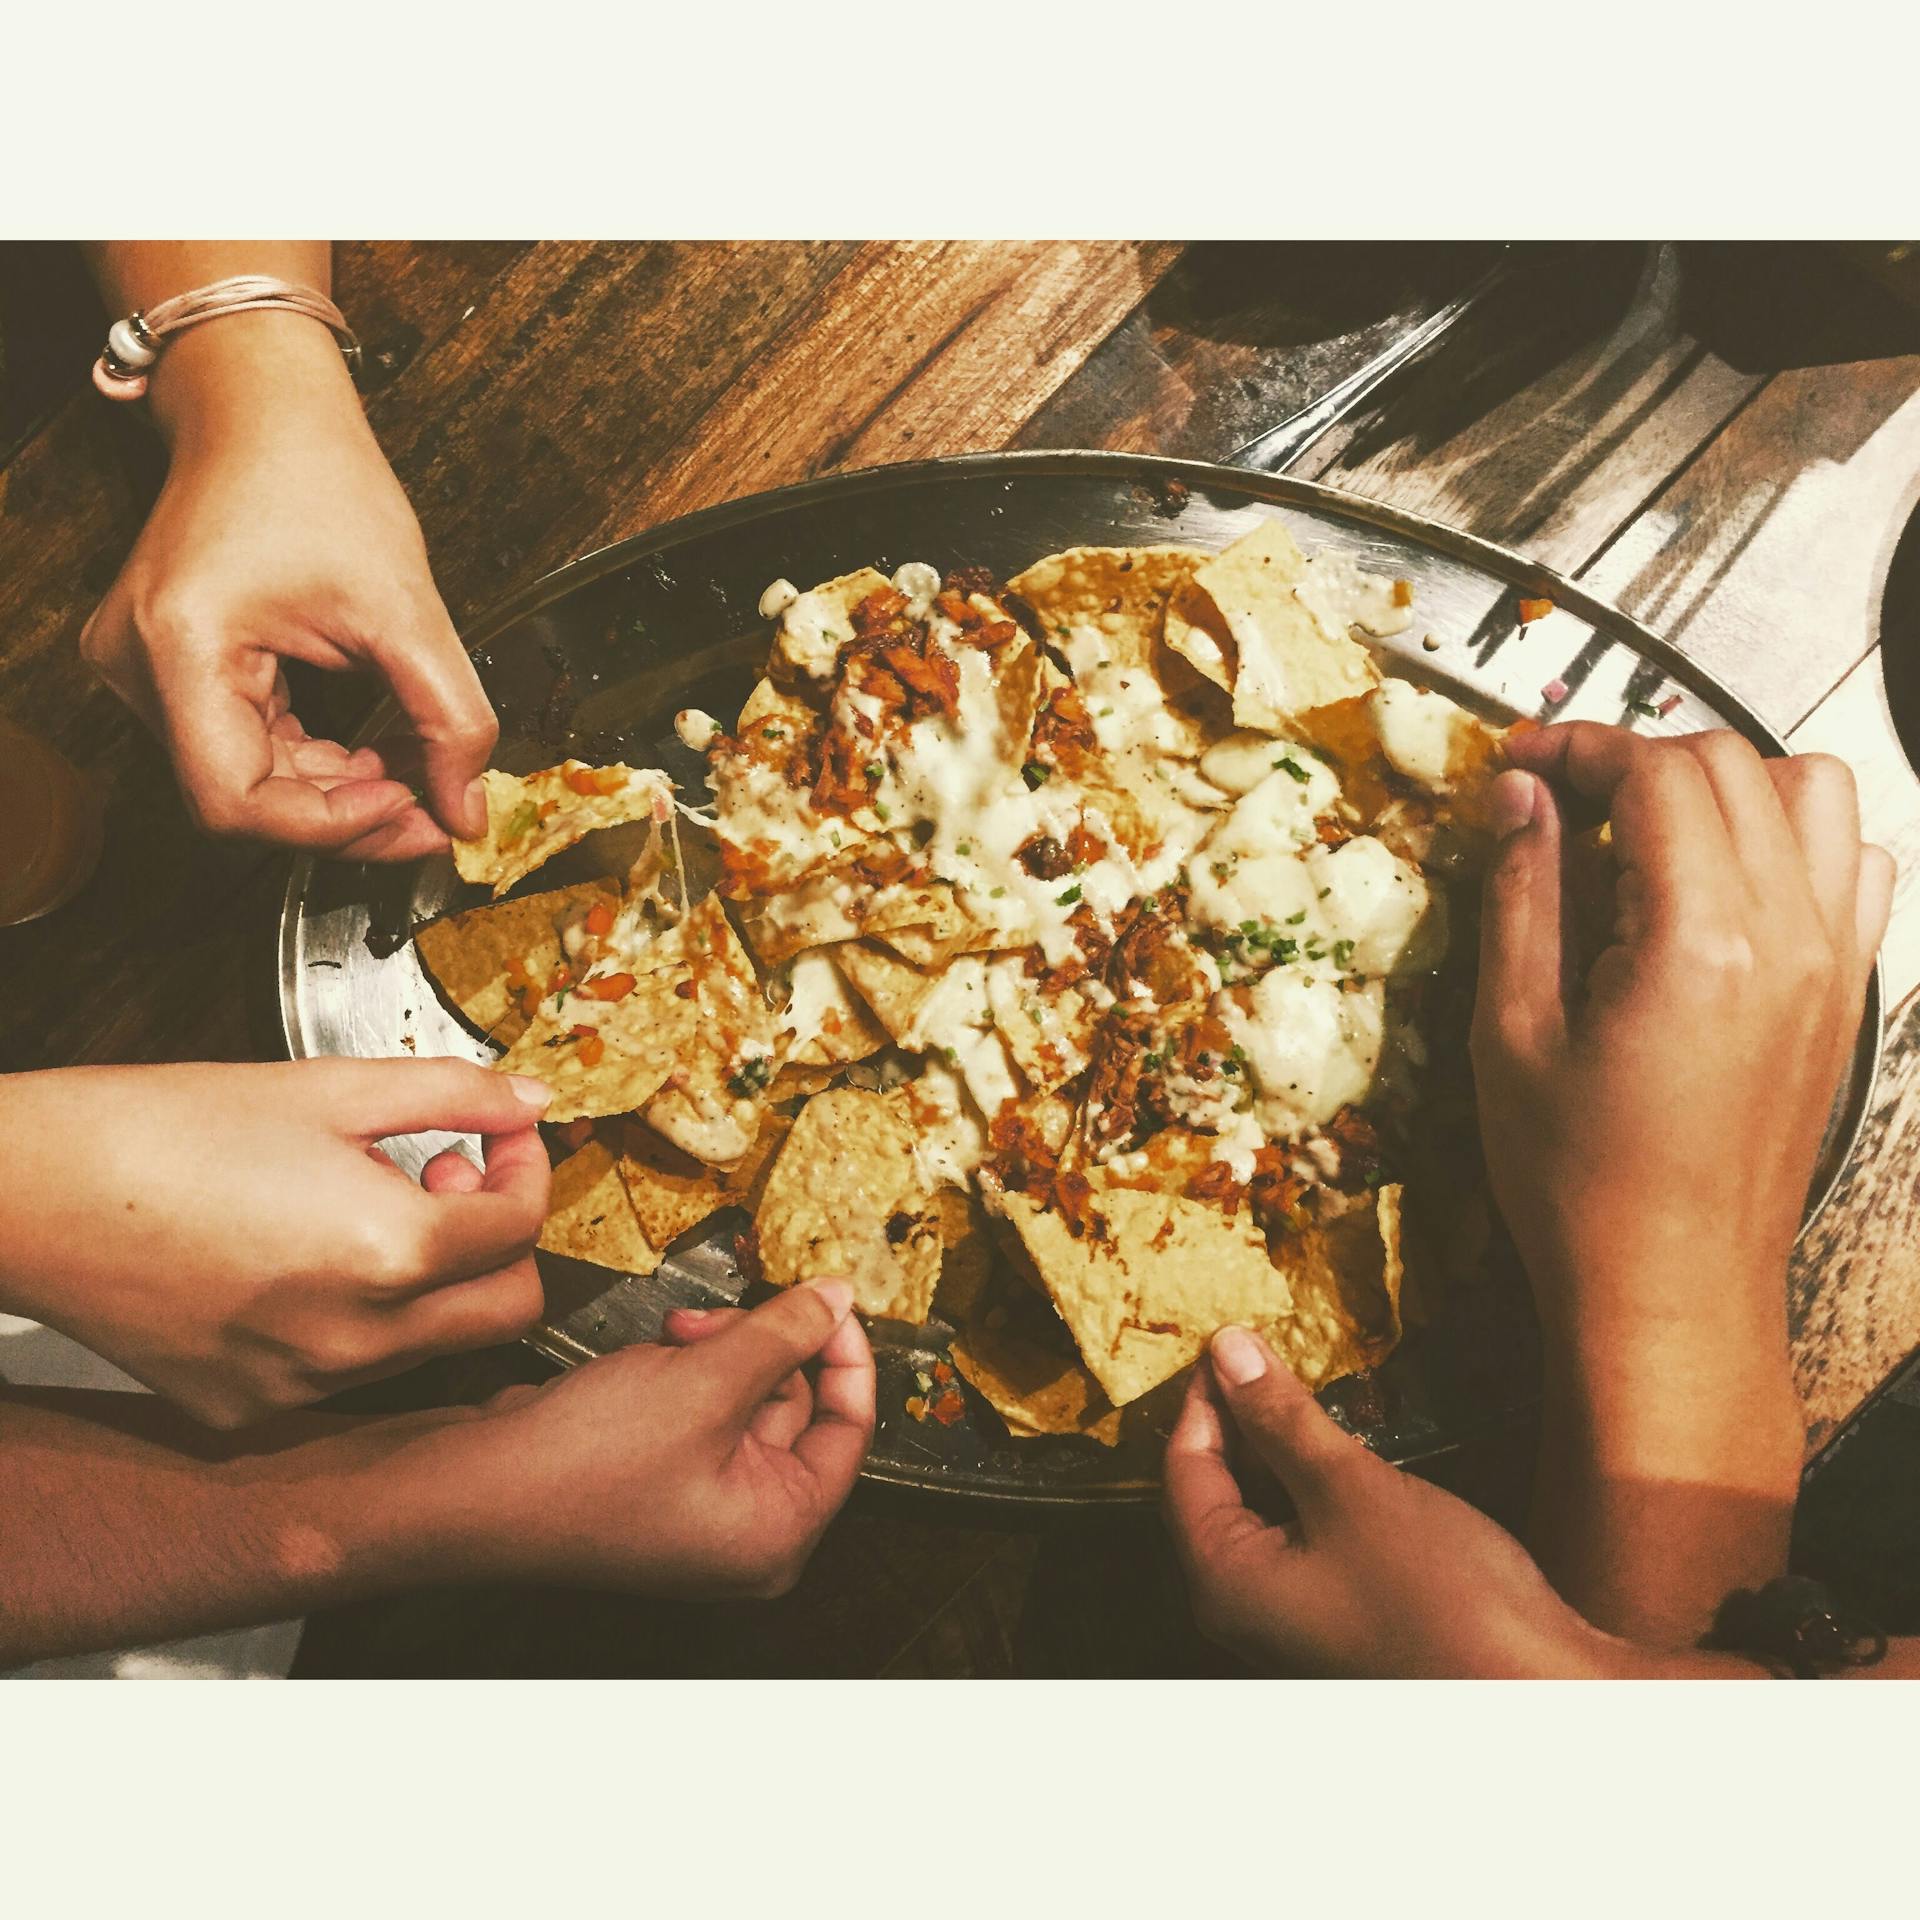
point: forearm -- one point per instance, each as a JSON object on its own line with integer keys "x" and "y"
{"x": 224, "y": 376}
{"x": 125, "y": 1524}
{"x": 1669, "y": 1465}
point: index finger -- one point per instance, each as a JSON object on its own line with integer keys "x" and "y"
{"x": 747, "y": 1360}
{"x": 1668, "y": 828}
{"x": 440, "y": 693}
{"x": 1206, "y": 1511}
{"x": 835, "y": 1440}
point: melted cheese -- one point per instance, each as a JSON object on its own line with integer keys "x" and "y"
{"x": 697, "y": 730}
{"x": 813, "y": 629}
{"x": 815, "y": 989}
{"x": 1369, "y": 896}
{"x": 950, "y": 1137}
{"x": 1249, "y": 867}
{"x": 1311, "y": 1046}
{"x": 919, "y": 582}
{"x": 1241, "y": 761}
{"x": 1340, "y": 597}
{"x": 1423, "y": 734}
{"x": 777, "y": 598}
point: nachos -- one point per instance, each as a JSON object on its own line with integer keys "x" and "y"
{"x": 1064, "y": 974}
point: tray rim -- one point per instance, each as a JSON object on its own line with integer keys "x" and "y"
{"x": 1504, "y": 563}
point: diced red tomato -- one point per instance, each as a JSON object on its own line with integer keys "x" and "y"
{"x": 610, "y": 986}
{"x": 595, "y": 780}
{"x": 600, "y": 919}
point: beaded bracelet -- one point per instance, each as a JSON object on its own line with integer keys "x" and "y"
{"x": 134, "y": 344}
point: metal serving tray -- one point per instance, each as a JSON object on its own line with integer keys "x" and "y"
{"x": 595, "y": 659}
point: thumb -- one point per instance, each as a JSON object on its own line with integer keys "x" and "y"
{"x": 448, "y": 710}
{"x": 1518, "y": 1004}
{"x": 373, "y": 1099}
{"x": 745, "y": 1362}
{"x": 1309, "y": 1453}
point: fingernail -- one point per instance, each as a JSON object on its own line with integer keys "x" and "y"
{"x": 837, "y": 1294}
{"x": 1511, "y": 802}
{"x": 474, "y": 803}
{"x": 536, "y": 1093}
{"x": 1238, "y": 1358}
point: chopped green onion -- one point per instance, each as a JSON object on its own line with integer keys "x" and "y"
{"x": 1294, "y": 919}
{"x": 751, "y": 1075}
{"x": 1035, "y": 774}
{"x": 1068, "y": 898}
{"x": 1288, "y": 765}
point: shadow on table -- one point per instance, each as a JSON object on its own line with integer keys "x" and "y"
{"x": 1768, "y": 306}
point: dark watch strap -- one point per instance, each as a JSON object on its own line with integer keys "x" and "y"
{"x": 1797, "y": 1627}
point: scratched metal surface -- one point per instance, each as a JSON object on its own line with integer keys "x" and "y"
{"x": 669, "y": 619}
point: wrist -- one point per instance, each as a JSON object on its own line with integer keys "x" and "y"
{"x": 454, "y": 1497}
{"x": 387, "y": 1506}
{"x": 251, "y": 376}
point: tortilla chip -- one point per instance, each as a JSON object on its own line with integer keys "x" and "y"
{"x": 1142, "y": 1299}
{"x": 796, "y": 1081}
{"x": 1120, "y": 591}
{"x": 826, "y": 1023}
{"x": 466, "y": 955}
{"x": 933, "y": 946}
{"x": 1194, "y": 630}
{"x": 643, "y": 1036}
{"x": 896, "y": 991}
{"x": 835, "y": 903}
{"x": 817, "y": 628}
{"x": 1016, "y": 1355}
{"x": 1048, "y": 1034}
{"x": 670, "y": 1191}
{"x": 1345, "y": 1280}
{"x": 770, "y": 705}
{"x": 589, "y": 1216}
{"x": 1286, "y": 661}
{"x": 712, "y": 1102}
{"x": 845, "y": 1198}
{"x": 518, "y": 839}
{"x": 967, "y": 1257}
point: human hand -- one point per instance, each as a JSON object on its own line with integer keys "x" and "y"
{"x": 282, "y": 534}
{"x": 707, "y": 1468}
{"x": 232, "y": 1238}
{"x": 1651, "y": 1132}
{"x": 1379, "y": 1574}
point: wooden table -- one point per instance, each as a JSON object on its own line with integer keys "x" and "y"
{"x": 1725, "y": 442}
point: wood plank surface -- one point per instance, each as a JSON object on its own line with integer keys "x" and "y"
{"x": 1766, "y": 559}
